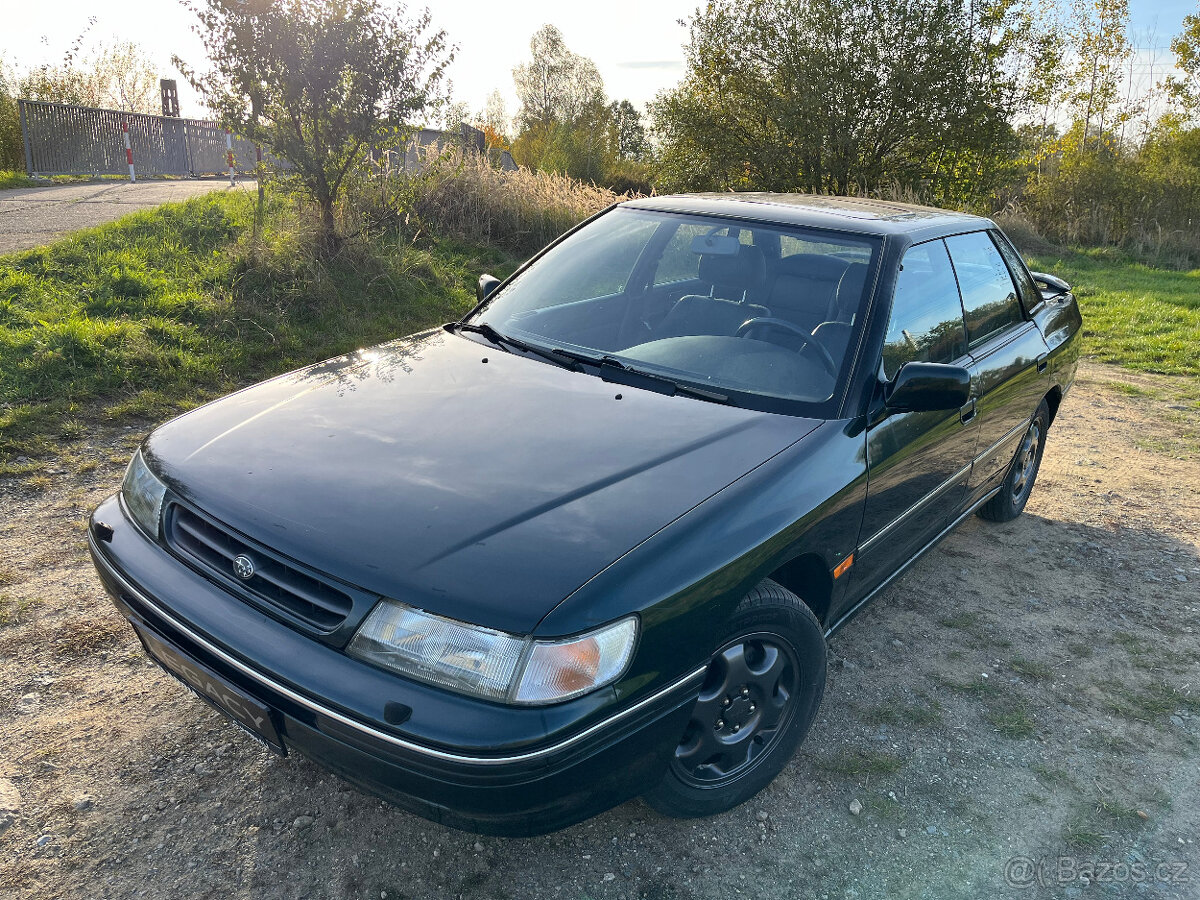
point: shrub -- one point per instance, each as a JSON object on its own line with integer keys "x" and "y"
{"x": 462, "y": 195}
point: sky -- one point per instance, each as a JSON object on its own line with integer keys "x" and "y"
{"x": 636, "y": 44}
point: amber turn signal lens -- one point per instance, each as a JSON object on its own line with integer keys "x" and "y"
{"x": 577, "y": 665}
{"x": 557, "y": 670}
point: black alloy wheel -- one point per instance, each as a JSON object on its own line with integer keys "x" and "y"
{"x": 760, "y": 694}
{"x": 745, "y": 705}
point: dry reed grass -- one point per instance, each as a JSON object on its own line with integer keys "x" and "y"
{"x": 463, "y": 195}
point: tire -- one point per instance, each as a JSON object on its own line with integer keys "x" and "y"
{"x": 759, "y": 697}
{"x": 1022, "y": 472}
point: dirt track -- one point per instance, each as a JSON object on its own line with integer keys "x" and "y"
{"x": 33, "y": 217}
{"x": 1078, "y": 752}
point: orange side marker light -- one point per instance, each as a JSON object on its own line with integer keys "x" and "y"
{"x": 843, "y": 566}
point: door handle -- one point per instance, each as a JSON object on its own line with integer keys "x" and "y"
{"x": 1042, "y": 362}
{"x": 967, "y": 413}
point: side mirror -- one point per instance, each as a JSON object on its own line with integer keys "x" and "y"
{"x": 928, "y": 387}
{"x": 1050, "y": 283}
{"x": 487, "y": 286}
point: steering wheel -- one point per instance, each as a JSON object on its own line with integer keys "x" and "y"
{"x": 784, "y": 325}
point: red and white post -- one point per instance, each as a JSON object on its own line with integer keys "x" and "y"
{"x": 229, "y": 155}
{"x": 128, "y": 152}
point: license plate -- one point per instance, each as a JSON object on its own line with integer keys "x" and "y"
{"x": 239, "y": 707}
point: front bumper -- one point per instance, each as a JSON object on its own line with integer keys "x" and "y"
{"x": 462, "y": 762}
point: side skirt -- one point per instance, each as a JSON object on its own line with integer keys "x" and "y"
{"x": 851, "y": 613}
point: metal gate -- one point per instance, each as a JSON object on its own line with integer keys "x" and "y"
{"x": 79, "y": 140}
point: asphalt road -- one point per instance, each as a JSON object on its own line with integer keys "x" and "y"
{"x": 32, "y": 217}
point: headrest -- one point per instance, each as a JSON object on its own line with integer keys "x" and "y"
{"x": 745, "y": 271}
{"x": 814, "y": 266}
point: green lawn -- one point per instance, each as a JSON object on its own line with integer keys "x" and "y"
{"x": 17, "y": 179}
{"x": 164, "y": 309}
{"x": 10, "y": 179}
{"x": 1133, "y": 315}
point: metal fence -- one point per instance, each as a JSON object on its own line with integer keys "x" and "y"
{"x": 79, "y": 140}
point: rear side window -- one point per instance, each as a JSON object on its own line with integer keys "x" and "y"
{"x": 927, "y": 321}
{"x": 989, "y": 296}
{"x": 1030, "y": 295}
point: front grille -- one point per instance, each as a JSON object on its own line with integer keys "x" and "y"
{"x": 276, "y": 581}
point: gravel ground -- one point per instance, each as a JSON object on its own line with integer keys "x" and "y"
{"x": 1017, "y": 717}
{"x": 34, "y": 217}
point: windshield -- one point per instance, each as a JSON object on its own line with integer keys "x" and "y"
{"x": 755, "y": 312}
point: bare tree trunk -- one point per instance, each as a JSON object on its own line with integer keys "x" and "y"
{"x": 1087, "y": 118}
{"x": 329, "y": 239}
{"x": 258, "y": 175}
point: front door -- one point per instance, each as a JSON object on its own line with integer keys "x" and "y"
{"x": 918, "y": 463}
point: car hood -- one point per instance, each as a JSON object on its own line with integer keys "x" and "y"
{"x": 457, "y": 477}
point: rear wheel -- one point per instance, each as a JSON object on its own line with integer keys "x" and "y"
{"x": 760, "y": 694}
{"x": 1018, "y": 484}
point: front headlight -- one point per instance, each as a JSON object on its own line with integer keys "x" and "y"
{"x": 492, "y": 664}
{"x": 143, "y": 494}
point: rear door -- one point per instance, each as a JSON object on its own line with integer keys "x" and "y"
{"x": 918, "y": 462}
{"x": 1009, "y": 354}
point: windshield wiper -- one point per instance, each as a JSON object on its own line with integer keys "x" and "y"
{"x": 618, "y": 372}
{"x": 612, "y": 370}
{"x": 483, "y": 329}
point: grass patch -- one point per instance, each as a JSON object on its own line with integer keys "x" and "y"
{"x": 981, "y": 688}
{"x": 1035, "y": 671}
{"x": 1110, "y": 743}
{"x": 966, "y": 621}
{"x": 1012, "y": 720}
{"x": 13, "y": 609}
{"x": 918, "y": 715}
{"x": 164, "y": 309}
{"x": 976, "y": 626}
{"x": 1081, "y": 650}
{"x": 849, "y": 763}
{"x": 1134, "y": 315}
{"x": 1052, "y": 775}
{"x": 1152, "y": 704}
{"x": 1119, "y": 812}
{"x": 1080, "y": 834}
{"x": 10, "y": 179}
{"x": 79, "y": 637}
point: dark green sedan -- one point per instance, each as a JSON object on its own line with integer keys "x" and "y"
{"x": 588, "y": 543}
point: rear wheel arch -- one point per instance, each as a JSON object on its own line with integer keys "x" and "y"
{"x": 1053, "y": 399}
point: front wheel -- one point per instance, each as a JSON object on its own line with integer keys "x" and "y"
{"x": 760, "y": 695}
{"x": 1018, "y": 483}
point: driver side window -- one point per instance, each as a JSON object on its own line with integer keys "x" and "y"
{"x": 926, "y": 324}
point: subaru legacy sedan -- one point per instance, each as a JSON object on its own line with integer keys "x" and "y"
{"x": 588, "y": 542}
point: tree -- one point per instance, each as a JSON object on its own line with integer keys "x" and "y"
{"x": 556, "y": 86}
{"x": 454, "y": 114}
{"x": 1186, "y": 47}
{"x": 493, "y": 120}
{"x": 320, "y": 82}
{"x": 115, "y": 76}
{"x": 822, "y": 95}
{"x": 12, "y": 151}
{"x": 1101, "y": 47}
{"x": 628, "y": 134}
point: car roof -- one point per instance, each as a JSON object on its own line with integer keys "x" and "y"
{"x": 861, "y": 215}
